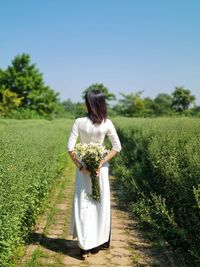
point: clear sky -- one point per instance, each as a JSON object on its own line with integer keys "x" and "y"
{"x": 128, "y": 45}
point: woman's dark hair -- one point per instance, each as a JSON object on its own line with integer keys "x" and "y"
{"x": 96, "y": 105}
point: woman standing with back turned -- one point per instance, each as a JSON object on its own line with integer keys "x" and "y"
{"x": 90, "y": 221}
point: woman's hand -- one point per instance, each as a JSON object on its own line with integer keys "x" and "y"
{"x": 98, "y": 169}
{"x": 108, "y": 157}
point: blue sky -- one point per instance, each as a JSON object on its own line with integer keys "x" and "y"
{"x": 128, "y": 45}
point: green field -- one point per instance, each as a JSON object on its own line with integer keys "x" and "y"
{"x": 158, "y": 169}
{"x": 32, "y": 155}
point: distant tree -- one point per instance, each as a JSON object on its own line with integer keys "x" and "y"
{"x": 24, "y": 79}
{"x": 9, "y": 100}
{"x": 75, "y": 109}
{"x": 68, "y": 105}
{"x": 130, "y": 105}
{"x": 79, "y": 110}
{"x": 182, "y": 99}
{"x": 2, "y": 86}
{"x": 196, "y": 109}
{"x": 149, "y": 106}
{"x": 43, "y": 100}
{"x": 99, "y": 86}
{"x": 163, "y": 104}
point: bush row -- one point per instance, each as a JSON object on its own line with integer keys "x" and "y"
{"x": 32, "y": 155}
{"x": 159, "y": 169}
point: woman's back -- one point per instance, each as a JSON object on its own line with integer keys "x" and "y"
{"x": 93, "y": 132}
{"x": 90, "y": 220}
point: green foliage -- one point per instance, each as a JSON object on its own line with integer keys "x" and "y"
{"x": 150, "y": 107}
{"x": 44, "y": 100}
{"x": 182, "y": 99}
{"x": 22, "y": 77}
{"x": 9, "y": 101}
{"x": 178, "y": 103}
{"x": 79, "y": 110}
{"x": 163, "y": 104}
{"x": 25, "y": 113}
{"x": 131, "y": 104}
{"x": 99, "y": 86}
{"x": 75, "y": 109}
{"x": 32, "y": 155}
{"x": 31, "y": 97}
{"x": 25, "y": 81}
{"x": 68, "y": 105}
{"x": 159, "y": 171}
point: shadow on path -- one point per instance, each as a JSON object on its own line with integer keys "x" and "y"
{"x": 64, "y": 246}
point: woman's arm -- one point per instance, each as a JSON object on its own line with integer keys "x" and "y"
{"x": 71, "y": 143}
{"x": 74, "y": 158}
{"x": 116, "y": 145}
{"x": 77, "y": 162}
{"x": 110, "y": 155}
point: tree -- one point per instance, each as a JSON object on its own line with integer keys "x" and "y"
{"x": 68, "y": 105}
{"x": 43, "y": 100}
{"x": 24, "y": 79}
{"x": 163, "y": 104}
{"x": 99, "y": 86}
{"x": 79, "y": 110}
{"x": 195, "y": 110}
{"x": 130, "y": 105}
{"x": 149, "y": 105}
{"x": 182, "y": 99}
{"x": 9, "y": 101}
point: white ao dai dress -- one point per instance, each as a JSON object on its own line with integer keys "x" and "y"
{"x": 90, "y": 220}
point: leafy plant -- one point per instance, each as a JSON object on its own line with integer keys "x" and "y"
{"x": 158, "y": 168}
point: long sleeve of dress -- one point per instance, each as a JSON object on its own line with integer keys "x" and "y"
{"x": 73, "y": 136}
{"x": 113, "y": 137}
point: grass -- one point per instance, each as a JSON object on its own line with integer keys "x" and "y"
{"x": 56, "y": 196}
{"x": 32, "y": 157}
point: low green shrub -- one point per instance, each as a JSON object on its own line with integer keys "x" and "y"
{"x": 159, "y": 169}
{"x": 32, "y": 155}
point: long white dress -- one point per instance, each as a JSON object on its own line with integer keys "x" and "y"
{"x": 90, "y": 220}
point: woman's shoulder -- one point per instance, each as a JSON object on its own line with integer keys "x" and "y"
{"x": 109, "y": 124}
{"x": 81, "y": 119}
{"x": 78, "y": 122}
{"x": 108, "y": 121}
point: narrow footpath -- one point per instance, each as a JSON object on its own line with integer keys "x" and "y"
{"x": 51, "y": 246}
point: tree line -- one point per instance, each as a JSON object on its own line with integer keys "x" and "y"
{"x": 24, "y": 94}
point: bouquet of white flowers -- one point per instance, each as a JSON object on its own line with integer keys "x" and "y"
{"x": 90, "y": 155}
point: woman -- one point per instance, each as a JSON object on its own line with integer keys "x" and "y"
{"x": 90, "y": 221}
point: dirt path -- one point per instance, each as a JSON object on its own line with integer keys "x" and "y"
{"x": 50, "y": 244}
